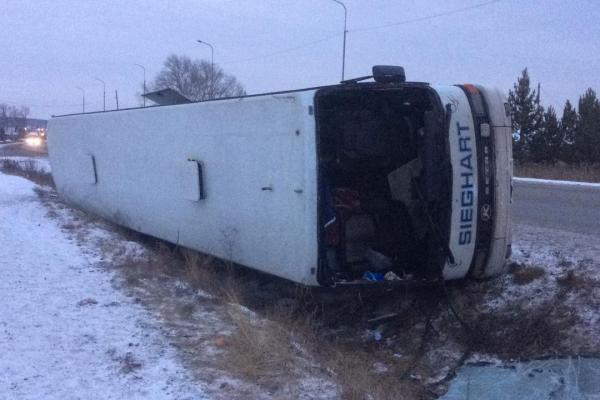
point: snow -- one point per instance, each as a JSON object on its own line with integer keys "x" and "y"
{"x": 557, "y": 182}
{"x": 65, "y": 331}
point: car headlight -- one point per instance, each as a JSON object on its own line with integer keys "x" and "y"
{"x": 33, "y": 141}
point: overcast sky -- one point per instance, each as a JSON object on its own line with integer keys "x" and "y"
{"x": 48, "y": 47}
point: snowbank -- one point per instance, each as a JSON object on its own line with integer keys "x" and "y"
{"x": 557, "y": 183}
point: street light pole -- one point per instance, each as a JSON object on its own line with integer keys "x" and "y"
{"x": 212, "y": 65}
{"x": 144, "y": 69}
{"x": 345, "y": 32}
{"x": 103, "y": 92}
{"x": 83, "y": 96}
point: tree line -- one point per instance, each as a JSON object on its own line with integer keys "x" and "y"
{"x": 540, "y": 136}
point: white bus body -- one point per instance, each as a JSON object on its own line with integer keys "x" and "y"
{"x": 258, "y": 180}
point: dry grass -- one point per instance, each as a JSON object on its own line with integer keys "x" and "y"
{"x": 559, "y": 171}
{"x": 259, "y": 349}
{"x": 155, "y": 265}
{"x": 573, "y": 281}
{"x": 199, "y": 269}
{"x": 27, "y": 169}
{"x": 524, "y": 275}
{"x": 370, "y": 374}
{"x": 520, "y": 331}
{"x": 280, "y": 348}
{"x": 212, "y": 275}
{"x": 277, "y": 345}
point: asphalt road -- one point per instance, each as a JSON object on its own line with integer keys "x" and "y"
{"x": 20, "y": 149}
{"x": 552, "y": 204}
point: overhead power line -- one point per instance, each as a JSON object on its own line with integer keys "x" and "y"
{"x": 289, "y": 50}
{"x": 426, "y": 17}
{"x": 366, "y": 29}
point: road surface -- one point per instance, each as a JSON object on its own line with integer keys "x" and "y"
{"x": 22, "y": 150}
{"x": 566, "y": 206}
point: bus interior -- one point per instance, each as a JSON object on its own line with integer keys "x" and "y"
{"x": 384, "y": 183}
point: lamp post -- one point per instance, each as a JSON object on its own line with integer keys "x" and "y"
{"x": 103, "y": 92}
{"x": 345, "y": 32}
{"x": 144, "y": 69}
{"x": 212, "y": 65}
{"x": 83, "y": 97}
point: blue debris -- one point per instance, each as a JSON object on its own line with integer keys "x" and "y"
{"x": 373, "y": 276}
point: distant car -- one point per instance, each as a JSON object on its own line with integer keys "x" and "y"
{"x": 34, "y": 140}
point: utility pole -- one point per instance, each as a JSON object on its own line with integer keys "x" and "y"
{"x": 212, "y": 66}
{"x": 117, "y": 98}
{"x": 345, "y": 32}
{"x": 83, "y": 97}
{"x": 144, "y": 69}
{"x": 103, "y": 93}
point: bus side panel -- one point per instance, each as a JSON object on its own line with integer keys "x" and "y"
{"x": 502, "y": 134}
{"x": 233, "y": 178}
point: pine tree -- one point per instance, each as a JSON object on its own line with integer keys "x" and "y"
{"x": 587, "y": 134}
{"x": 552, "y": 135}
{"x": 546, "y": 144}
{"x": 527, "y": 117}
{"x": 568, "y": 126}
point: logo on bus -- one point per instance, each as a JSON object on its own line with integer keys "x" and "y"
{"x": 467, "y": 184}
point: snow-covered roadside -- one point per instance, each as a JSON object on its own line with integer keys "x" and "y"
{"x": 555, "y": 276}
{"x": 65, "y": 332}
{"x": 554, "y": 182}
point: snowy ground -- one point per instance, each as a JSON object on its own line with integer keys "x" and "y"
{"x": 65, "y": 332}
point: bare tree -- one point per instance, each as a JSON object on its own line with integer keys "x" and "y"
{"x": 196, "y": 79}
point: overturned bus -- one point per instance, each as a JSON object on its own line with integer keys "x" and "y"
{"x": 321, "y": 186}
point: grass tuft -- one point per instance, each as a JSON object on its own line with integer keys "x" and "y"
{"x": 560, "y": 171}
{"x": 524, "y": 275}
{"x": 259, "y": 349}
